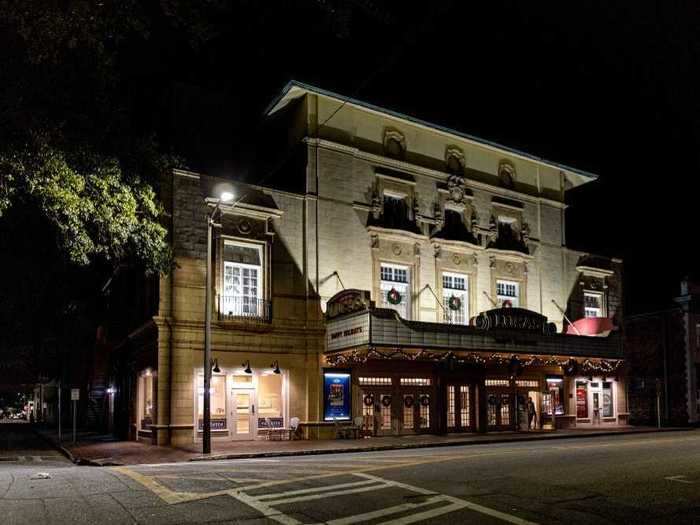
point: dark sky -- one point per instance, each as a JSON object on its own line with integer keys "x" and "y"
{"x": 607, "y": 87}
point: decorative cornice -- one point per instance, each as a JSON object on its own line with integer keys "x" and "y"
{"x": 387, "y": 162}
{"x": 509, "y": 255}
{"x": 395, "y": 235}
{"x": 595, "y": 272}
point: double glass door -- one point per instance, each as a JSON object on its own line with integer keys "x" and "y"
{"x": 459, "y": 413}
{"x": 501, "y": 411}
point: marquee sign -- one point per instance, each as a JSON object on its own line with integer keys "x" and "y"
{"x": 514, "y": 319}
{"x": 347, "y": 332}
{"x": 346, "y": 302}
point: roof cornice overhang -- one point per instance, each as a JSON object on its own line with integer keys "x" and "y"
{"x": 294, "y": 90}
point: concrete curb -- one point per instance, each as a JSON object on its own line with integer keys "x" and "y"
{"x": 77, "y": 460}
{"x": 63, "y": 450}
{"x": 435, "y": 444}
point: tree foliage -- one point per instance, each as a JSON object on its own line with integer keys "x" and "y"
{"x": 96, "y": 212}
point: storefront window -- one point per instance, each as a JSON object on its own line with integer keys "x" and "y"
{"x": 608, "y": 409}
{"x": 581, "y": 399}
{"x": 270, "y": 401}
{"x": 217, "y": 403}
{"x": 148, "y": 400}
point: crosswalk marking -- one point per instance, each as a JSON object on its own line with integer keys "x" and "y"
{"x": 282, "y": 495}
{"x": 341, "y": 492}
{"x": 375, "y": 514}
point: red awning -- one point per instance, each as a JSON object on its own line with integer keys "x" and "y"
{"x": 591, "y": 326}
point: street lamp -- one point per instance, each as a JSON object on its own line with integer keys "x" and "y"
{"x": 225, "y": 195}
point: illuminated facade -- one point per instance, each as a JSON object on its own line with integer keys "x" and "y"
{"x": 396, "y": 271}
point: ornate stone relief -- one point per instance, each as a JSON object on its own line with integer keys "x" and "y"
{"x": 439, "y": 216}
{"x": 457, "y": 190}
{"x": 525, "y": 232}
{"x": 454, "y": 160}
{"x": 437, "y": 251}
{"x": 374, "y": 241}
{"x": 396, "y": 249}
{"x": 493, "y": 229}
{"x": 506, "y": 173}
{"x": 376, "y": 206}
{"x": 394, "y": 143}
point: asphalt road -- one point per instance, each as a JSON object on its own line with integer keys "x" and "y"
{"x": 653, "y": 478}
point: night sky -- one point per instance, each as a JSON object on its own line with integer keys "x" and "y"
{"x": 607, "y": 88}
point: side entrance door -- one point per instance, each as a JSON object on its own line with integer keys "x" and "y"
{"x": 243, "y": 419}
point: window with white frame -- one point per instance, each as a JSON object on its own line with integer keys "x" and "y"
{"x": 242, "y": 285}
{"x": 455, "y": 297}
{"x": 395, "y": 288}
{"x": 507, "y": 293}
{"x": 593, "y": 304}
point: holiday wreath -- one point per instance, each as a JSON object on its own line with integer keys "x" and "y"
{"x": 393, "y": 296}
{"x": 454, "y": 302}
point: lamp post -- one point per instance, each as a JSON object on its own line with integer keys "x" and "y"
{"x": 225, "y": 196}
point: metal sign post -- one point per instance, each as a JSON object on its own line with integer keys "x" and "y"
{"x": 60, "y": 437}
{"x": 75, "y": 397}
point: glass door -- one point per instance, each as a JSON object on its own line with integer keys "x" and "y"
{"x": 243, "y": 414}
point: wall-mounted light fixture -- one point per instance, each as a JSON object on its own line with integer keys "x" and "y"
{"x": 214, "y": 363}
{"x": 246, "y": 367}
{"x": 276, "y": 367}
{"x": 111, "y": 390}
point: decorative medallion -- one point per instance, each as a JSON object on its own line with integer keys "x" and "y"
{"x": 396, "y": 249}
{"x": 244, "y": 227}
{"x": 393, "y": 296}
{"x": 456, "y": 259}
{"x": 509, "y": 267}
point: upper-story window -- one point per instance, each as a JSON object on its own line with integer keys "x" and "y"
{"x": 455, "y": 297}
{"x": 242, "y": 282}
{"x": 395, "y": 288}
{"x": 507, "y": 293}
{"x": 593, "y": 304}
{"x": 396, "y": 209}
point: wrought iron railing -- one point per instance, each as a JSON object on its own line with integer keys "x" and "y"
{"x": 237, "y": 307}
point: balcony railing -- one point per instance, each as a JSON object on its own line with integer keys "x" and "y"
{"x": 237, "y": 307}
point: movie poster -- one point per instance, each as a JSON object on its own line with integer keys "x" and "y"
{"x": 336, "y": 390}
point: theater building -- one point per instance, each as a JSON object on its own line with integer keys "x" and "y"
{"x": 395, "y": 270}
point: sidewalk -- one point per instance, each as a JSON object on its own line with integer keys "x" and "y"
{"x": 100, "y": 450}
